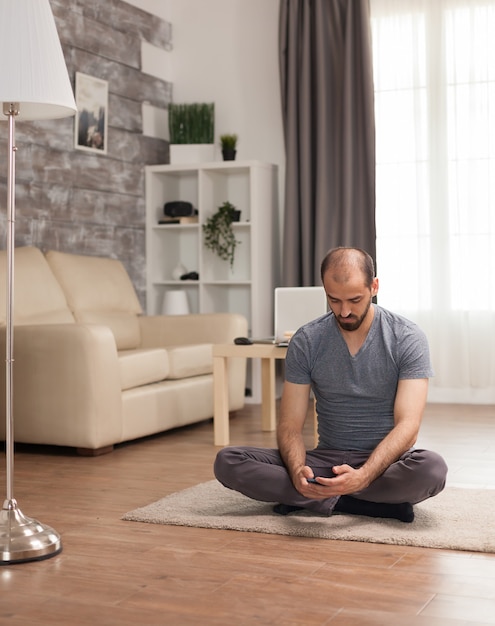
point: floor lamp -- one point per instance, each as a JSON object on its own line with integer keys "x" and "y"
{"x": 34, "y": 85}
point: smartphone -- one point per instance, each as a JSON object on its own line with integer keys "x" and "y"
{"x": 315, "y": 482}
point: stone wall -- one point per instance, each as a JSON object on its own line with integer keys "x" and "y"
{"x": 85, "y": 202}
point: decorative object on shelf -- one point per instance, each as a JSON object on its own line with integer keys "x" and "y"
{"x": 190, "y": 276}
{"x": 228, "y": 143}
{"x": 178, "y": 208}
{"x": 218, "y": 233}
{"x": 191, "y": 130}
{"x": 191, "y": 123}
{"x": 175, "y": 302}
{"x": 179, "y": 271}
{"x": 34, "y": 85}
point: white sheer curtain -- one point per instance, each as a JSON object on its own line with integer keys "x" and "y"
{"x": 434, "y": 73}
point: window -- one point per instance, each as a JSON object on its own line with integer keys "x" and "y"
{"x": 434, "y": 74}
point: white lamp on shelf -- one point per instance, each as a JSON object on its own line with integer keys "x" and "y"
{"x": 34, "y": 85}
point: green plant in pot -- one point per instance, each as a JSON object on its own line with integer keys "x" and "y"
{"x": 191, "y": 123}
{"x": 228, "y": 143}
{"x": 218, "y": 232}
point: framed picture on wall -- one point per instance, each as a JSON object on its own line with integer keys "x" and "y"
{"x": 92, "y": 113}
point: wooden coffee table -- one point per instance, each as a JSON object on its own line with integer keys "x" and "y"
{"x": 268, "y": 354}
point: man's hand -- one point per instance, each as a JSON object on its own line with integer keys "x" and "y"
{"x": 347, "y": 480}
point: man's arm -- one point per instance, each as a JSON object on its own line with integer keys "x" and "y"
{"x": 410, "y": 402}
{"x": 409, "y": 406}
{"x": 293, "y": 411}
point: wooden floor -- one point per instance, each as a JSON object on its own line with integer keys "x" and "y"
{"x": 114, "y": 572}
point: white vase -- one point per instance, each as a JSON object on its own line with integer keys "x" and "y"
{"x": 175, "y": 302}
{"x": 178, "y": 271}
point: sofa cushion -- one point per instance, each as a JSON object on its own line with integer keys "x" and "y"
{"x": 38, "y": 297}
{"x": 141, "y": 367}
{"x": 192, "y": 360}
{"x": 99, "y": 291}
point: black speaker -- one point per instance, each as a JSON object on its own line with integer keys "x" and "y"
{"x": 178, "y": 208}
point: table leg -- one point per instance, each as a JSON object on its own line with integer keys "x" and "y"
{"x": 268, "y": 401}
{"x": 220, "y": 401}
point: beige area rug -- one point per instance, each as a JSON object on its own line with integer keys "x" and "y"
{"x": 456, "y": 519}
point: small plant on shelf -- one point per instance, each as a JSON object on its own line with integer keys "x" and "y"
{"x": 218, "y": 232}
{"x": 228, "y": 143}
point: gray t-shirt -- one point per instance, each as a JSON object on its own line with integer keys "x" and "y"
{"x": 355, "y": 394}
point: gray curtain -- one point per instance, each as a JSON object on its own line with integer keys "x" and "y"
{"x": 328, "y": 116}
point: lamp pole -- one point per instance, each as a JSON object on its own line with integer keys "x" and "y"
{"x": 34, "y": 85}
{"x": 21, "y": 538}
{"x": 11, "y": 110}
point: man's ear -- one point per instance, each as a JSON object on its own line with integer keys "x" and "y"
{"x": 374, "y": 287}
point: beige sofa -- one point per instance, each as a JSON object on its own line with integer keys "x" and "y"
{"x": 90, "y": 370}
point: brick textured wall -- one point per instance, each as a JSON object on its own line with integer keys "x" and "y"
{"x": 84, "y": 202}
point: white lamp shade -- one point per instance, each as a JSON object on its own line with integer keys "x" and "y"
{"x": 32, "y": 65}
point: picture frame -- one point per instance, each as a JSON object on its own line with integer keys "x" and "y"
{"x": 90, "y": 128}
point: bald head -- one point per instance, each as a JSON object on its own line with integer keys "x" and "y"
{"x": 345, "y": 263}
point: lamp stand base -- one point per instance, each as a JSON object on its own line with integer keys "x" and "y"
{"x": 24, "y": 539}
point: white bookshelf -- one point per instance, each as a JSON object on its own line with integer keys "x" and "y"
{"x": 247, "y": 287}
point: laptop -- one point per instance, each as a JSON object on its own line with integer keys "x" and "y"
{"x": 294, "y": 307}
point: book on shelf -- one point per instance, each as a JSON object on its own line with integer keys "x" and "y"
{"x": 190, "y": 219}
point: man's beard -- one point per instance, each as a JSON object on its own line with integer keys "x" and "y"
{"x": 352, "y": 323}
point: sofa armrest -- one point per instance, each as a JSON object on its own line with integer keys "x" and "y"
{"x": 67, "y": 387}
{"x": 174, "y": 330}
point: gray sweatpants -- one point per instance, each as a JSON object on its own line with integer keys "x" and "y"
{"x": 260, "y": 474}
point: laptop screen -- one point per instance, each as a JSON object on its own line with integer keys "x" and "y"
{"x": 294, "y": 307}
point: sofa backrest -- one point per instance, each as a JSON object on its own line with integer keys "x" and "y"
{"x": 99, "y": 291}
{"x": 38, "y": 297}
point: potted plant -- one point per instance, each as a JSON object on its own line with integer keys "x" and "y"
{"x": 191, "y": 123}
{"x": 218, "y": 233}
{"x": 191, "y": 131}
{"x": 228, "y": 143}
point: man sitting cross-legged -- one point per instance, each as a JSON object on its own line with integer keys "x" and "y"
{"x": 368, "y": 369}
